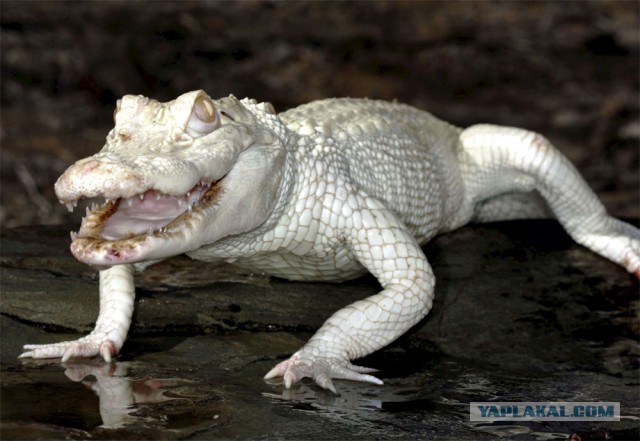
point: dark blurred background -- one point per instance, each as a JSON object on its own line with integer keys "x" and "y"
{"x": 567, "y": 69}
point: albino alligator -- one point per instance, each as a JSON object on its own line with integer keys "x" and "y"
{"x": 326, "y": 191}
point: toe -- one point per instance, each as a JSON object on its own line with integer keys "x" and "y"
{"x": 324, "y": 381}
{"x": 278, "y": 371}
{"x": 42, "y": 351}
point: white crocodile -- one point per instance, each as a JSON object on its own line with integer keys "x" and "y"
{"x": 325, "y": 191}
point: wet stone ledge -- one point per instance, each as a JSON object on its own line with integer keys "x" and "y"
{"x": 501, "y": 288}
{"x": 518, "y": 306}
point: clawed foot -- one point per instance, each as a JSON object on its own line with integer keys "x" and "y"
{"x": 321, "y": 370}
{"x": 82, "y": 348}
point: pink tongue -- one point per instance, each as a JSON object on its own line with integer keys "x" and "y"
{"x": 152, "y": 212}
{"x": 152, "y": 207}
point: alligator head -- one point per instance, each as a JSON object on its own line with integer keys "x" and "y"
{"x": 176, "y": 176}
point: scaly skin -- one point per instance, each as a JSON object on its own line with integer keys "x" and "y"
{"x": 326, "y": 191}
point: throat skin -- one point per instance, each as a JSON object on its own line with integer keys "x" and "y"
{"x": 325, "y": 191}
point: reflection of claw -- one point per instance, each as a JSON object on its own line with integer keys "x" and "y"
{"x": 77, "y": 372}
{"x": 118, "y": 392}
{"x": 111, "y": 385}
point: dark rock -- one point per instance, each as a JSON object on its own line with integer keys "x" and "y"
{"x": 523, "y": 295}
{"x": 521, "y": 314}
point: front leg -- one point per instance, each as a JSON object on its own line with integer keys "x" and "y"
{"x": 384, "y": 246}
{"x": 117, "y": 293}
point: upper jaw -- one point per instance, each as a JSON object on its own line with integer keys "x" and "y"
{"x": 97, "y": 177}
{"x": 114, "y": 178}
{"x": 114, "y": 175}
{"x": 138, "y": 222}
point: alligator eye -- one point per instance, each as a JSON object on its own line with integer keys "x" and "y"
{"x": 204, "y": 118}
{"x": 204, "y": 109}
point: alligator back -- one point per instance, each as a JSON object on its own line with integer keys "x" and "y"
{"x": 398, "y": 154}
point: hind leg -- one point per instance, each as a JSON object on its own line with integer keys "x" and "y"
{"x": 496, "y": 161}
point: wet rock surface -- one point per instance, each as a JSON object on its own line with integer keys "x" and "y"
{"x": 521, "y": 314}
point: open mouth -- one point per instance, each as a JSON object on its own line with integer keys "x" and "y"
{"x": 148, "y": 213}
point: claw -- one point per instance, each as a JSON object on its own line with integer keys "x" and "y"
{"x": 324, "y": 381}
{"x": 27, "y": 354}
{"x": 107, "y": 351}
{"x": 278, "y": 370}
{"x": 289, "y": 380}
{"x": 67, "y": 354}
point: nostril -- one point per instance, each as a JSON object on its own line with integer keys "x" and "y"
{"x": 89, "y": 165}
{"x": 124, "y": 136}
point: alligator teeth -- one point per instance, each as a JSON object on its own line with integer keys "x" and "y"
{"x": 129, "y": 202}
{"x": 141, "y": 195}
{"x": 87, "y": 211}
{"x": 157, "y": 196}
{"x": 74, "y": 235}
{"x": 180, "y": 202}
{"x": 71, "y": 205}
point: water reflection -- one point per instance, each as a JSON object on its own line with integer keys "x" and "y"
{"x": 43, "y": 399}
{"x": 118, "y": 393}
{"x": 144, "y": 400}
{"x": 306, "y": 396}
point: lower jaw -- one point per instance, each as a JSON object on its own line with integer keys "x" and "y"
{"x": 104, "y": 253}
{"x": 90, "y": 247}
